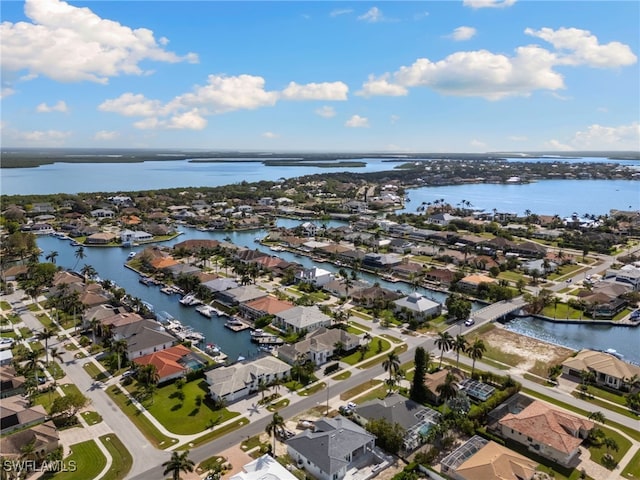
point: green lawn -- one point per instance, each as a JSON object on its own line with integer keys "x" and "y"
{"x": 607, "y": 395}
{"x": 342, "y": 376}
{"x": 360, "y": 326}
{"x": 55, "y": 369}
{"x": 91, "y": 418}
{"x": 392, "y": 338}
{"x": 605, "y": 405}
{"x": 623, "y": 444}
{"x": 563, "y": 311}
{"x": 69, "y": 388}
{"x": 632, "y": 470}
{"x": 356, "y": 357}
{"x": 359, "y": 389}
{"x": 122, "y": 460}
{"x": 94, "y": 372}
{"x": 217, "y": 432}
{"x": 185, "y": 417}
{"x": 5, "y": 305}
{"x": 155, "y": 437}
{"x": 314, "y": 389}
{"x": 88, "y": 460}
{"x": 278, "y": 405}
{"x": 46, "y": 399}
{"x": 380, "y": 392}
{"x": 354, "y": 330}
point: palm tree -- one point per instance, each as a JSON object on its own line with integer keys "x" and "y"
{"x": 51, "y": 256}
{"x": 178, "y": 462}
{"x": 444, "y": 342}
{"x": 276, "y": 425}
{"x": 475, "y": 351}
{"x": 94, "y": 323}
{"x": 88, "y": 271}
{"x": 391, "y": 365}
{"x": 55, "y": 354}
{"x": 597, "y": 417}
{"x": 460, "y": 344}
{"x": 45, "y": 334}
{"x": 119, "y": 347}
{"x": 148, "y": 374}
{"x": 447, "y": 389}
{"x": 263, "y": 386}
{"x": 79, "y": 255}
{"x": 32, "y": 363}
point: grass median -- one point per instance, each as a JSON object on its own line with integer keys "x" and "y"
{"x": 122, "y": 459}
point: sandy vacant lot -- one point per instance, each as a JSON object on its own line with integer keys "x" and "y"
{"x": 528, "y": 349}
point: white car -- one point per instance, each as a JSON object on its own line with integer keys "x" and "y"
{"x": 469, "y": 321}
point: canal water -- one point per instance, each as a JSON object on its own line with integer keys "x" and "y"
{"x": 109, "y": 263}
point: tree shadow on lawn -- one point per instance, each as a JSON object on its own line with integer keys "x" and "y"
{"x": 176, "y": 407}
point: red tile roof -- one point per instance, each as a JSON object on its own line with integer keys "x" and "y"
{"x": 166, "y": 361}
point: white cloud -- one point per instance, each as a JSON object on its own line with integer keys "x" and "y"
{"x": 557, "y": 145}
{"x": 61, "y": 106}
{"x": 6, "y": 92}
{"x": 420, "y": 15}
{"x": 326, "y": 112}
{"x": 485, "y": 74}
{"x": 373, "y": 15}
{"x": 42, "y": 137}
{"x": 340, "y": 11}
{"x": 356, "y": 121}
{"x": 518, "y": 138}
{"x": 394, "y": 119}
{"x": 478, "y": 143}
{"x": 270, "y": 135}
{"x": 488, "y": 3}
{"x": 583, "y": 48}
{"x": 191, "y": 120}
{"x": 463, "y": 33}
{"x": 106, "y": 135}
{"x": 622, "y": 137}
{"x": 316, "y": 91}
{"x": 86, "y": 47}
{"x": 381, "y": 86}
{"x": 220, "y": 95}
{"x": 132, "y": 105}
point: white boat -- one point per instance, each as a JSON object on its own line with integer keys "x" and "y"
{"x": 258, "y": 332}
{"x": 205, "y": 310}
{"x": 189, "y": 299}
{"x": 131, "y": 255}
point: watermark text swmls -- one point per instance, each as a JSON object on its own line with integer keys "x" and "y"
{"x": 39, "y": 466}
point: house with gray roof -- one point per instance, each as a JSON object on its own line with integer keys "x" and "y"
{"x": 418, "y": 306}
{"x": 301, "y": 318}
{"x": 319, "y": 346}
{"x": 220, "y": 284}
{"x": 143, "y": 337}
{"x": 235, "y": 296}
{"x": 233, "y": 382}
{"x": 335, "y": 446}
{"x": 414, "y": 418}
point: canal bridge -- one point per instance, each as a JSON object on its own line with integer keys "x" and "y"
{"x": 498, "y": 310}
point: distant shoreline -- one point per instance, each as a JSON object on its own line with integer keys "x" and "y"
{"x": 28, "y": 158}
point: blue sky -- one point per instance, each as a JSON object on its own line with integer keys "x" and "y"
{"x": 451, "y": 76}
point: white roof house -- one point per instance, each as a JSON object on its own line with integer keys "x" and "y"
{"x": 264, "y": 468}
{"x": 302, "y": 318}
{"x": 418, "y": 305}
{"x": 241, "y": 379}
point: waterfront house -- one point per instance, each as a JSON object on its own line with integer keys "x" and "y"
{"x": 626, "y": 275}
{"x": 470, "y": 283}
{"x": 417, "y": 306}
{"x": 220, "y": 284}
{"x": 415, "y": 419}
{"x": 301, "y": 318}
{"x": 338, "y": 288}
{"x": 315, "y": 275}
{"x": 609, "y": 370}
{"x": 234, "y": 382}
{"x": 13, "y": 272}
{"x": 196, "y": 245}
{"x": 368, "y": 297}
{"x": 319, "y": 346}
{"x": 178, "y": 269}
{"x": 542, "y": 266}
{"x": 132, "y": 236}
{"x": 529, "y": 250}
{"x": 441, "y": 219}
{"x": 143, "y": 337}
{"x": 267, "y": 305}
{"x": 481, "y": 459}
{"x": 433, "y": 380}
{"x": 238, "y": 295}
{"x": 381, "y": 261}
{"x": 407, "y": 270}
{"x": 550, "y": 433}
{"x": 171, "y": 363}
{"x": 333, "y": 447}
{"x": 100, "y": 238}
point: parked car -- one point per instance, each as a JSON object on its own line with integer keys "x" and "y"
{"x": 469, "y": 321}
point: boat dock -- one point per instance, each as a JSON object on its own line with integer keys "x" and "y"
{"x": 267, "y": 340}
{"x": 236, "y": 324}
